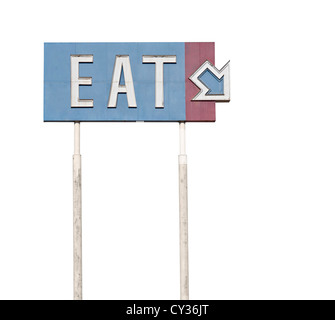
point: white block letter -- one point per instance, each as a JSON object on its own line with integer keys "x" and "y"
{"x": 76, "y": 81}
{"x": 122, "y": 62}
{"x": 159, "y": 76}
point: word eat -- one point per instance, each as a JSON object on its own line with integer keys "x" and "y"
{"x": 122, "y": 62}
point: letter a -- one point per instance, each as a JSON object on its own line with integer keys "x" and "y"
{"x": 122, "y": 62}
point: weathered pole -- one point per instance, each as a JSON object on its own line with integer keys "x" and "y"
{"x": 77, "y": 221}
{"x": 183, "y": 216}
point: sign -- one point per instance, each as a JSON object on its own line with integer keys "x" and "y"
{"x": 132, "y": 82}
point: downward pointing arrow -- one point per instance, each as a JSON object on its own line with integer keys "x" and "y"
{"x": 204, "y": 94}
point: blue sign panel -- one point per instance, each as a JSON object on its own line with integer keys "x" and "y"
{"x": 114, "y": 82}
{"x": 173, "y": 81}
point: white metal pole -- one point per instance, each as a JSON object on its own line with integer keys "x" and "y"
{"x": 77, "y": 223}
{"x": 183, "y": 216}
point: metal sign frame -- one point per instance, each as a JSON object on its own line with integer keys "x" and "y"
{"x": 76, "y": 81}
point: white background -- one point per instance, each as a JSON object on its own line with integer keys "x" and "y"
{"x": 261, "y": 179}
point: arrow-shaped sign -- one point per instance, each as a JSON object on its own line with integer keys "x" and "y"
{"x": 205, "y": 92}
